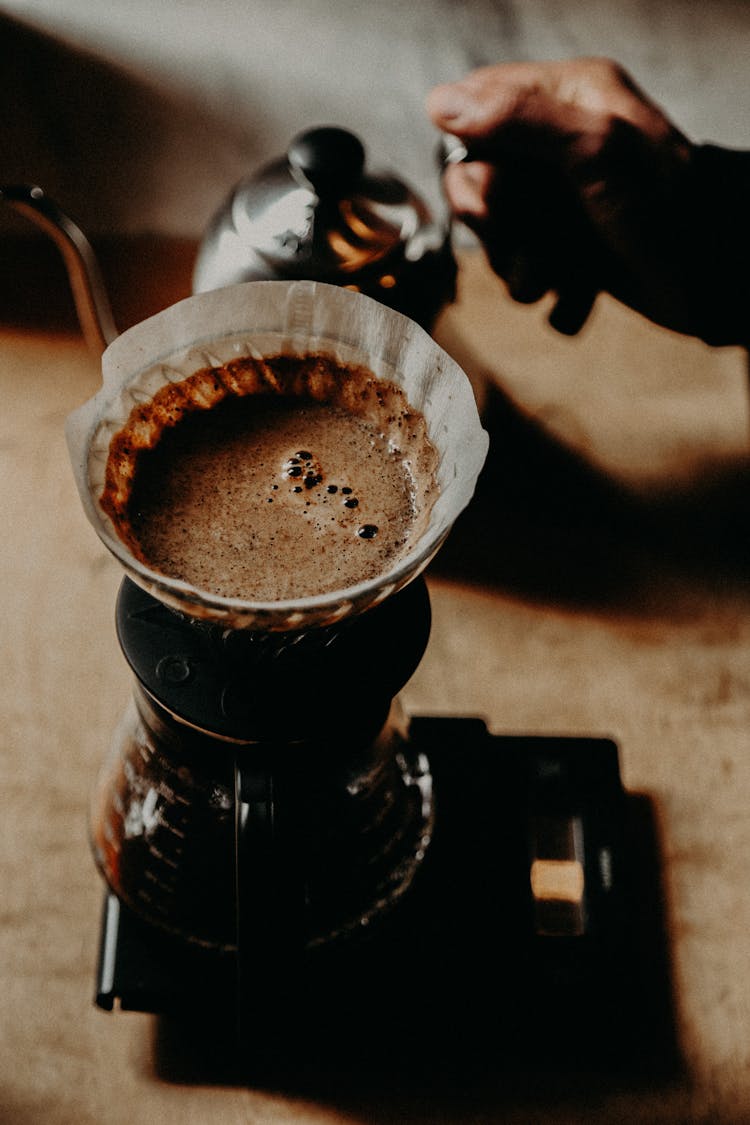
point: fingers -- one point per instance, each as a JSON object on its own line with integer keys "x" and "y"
{"x": 531, "y": 230}
{"x": 547, "y": 104}
{"x": 468, "y": 188}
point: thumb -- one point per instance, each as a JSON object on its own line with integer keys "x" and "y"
{"x": 451, "y": 105}
{"x": 465, "y": 110}
{"x": 509, "y": 108}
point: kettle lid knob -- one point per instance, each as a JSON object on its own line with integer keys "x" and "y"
{"x": 329, "y": 159}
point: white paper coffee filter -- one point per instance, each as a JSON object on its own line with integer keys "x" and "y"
{"x": 265, "y": 318}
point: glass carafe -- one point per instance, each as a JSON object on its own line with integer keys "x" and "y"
{"x": 317, "y": 824}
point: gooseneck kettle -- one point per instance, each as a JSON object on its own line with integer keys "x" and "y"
{"x": 319, "y": 213}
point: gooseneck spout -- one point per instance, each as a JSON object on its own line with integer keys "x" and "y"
{"x": 89, "y": 294}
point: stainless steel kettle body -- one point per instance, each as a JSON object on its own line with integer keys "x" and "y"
{"x": 317, "y": 213}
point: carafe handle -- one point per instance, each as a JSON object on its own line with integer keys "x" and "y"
{"x": 269, "y": 890}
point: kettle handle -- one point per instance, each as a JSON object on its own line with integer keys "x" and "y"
{"x": 269, "y": 891}
{"x": 89, "y": 293}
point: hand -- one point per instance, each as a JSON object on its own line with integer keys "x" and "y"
{"x": 576, "y": 182}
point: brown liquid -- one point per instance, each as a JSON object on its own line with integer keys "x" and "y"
{"x": 314, "y": 479}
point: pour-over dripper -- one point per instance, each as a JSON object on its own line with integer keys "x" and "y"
{"x": 292, "y": 318}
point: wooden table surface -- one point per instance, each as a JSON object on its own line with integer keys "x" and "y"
{"x": 599, "y": 585}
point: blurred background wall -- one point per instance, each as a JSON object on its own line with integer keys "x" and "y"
{"x": 139, "y": 115}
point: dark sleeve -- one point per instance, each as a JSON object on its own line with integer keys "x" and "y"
{"x": 720, "y": 203}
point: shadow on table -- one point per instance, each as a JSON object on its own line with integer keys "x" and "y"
{"x": 547, "y": 523}
{"x": 452, "y": 1007}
